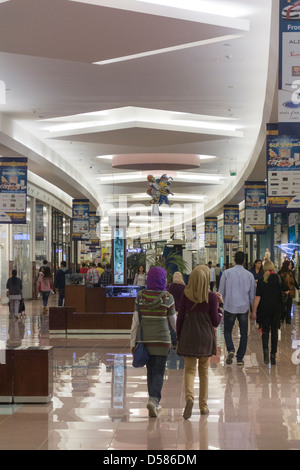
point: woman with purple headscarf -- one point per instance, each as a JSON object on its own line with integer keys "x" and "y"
{"x": 157, "y": 309}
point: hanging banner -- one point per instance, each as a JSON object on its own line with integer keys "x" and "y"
{"x": 80, "y": 219}
{"x": 283, "y": 171}
{"x": 255, "y": 207}
{"x": 231, "y": 224}
{"x": 39, "y": 221}
{"x": 13, "y": 190}
{"x": 119, "y": 256}
{"x": 289, "y": 67}
{"x": 211, "y": 232}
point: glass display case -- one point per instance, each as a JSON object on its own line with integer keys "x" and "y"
{"x": 77, "y": 279}
{"x": 122, "y": 291}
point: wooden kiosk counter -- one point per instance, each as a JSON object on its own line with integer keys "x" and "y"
{"x": 90, "y": 309}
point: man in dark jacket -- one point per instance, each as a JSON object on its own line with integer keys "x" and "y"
{"x": 60, "y": 282}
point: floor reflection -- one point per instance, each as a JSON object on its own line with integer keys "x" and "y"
{"x": 100, "y": 400}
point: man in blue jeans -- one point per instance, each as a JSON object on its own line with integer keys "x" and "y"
{"x": 237, "y": 287}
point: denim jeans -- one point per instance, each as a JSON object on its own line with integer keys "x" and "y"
{"x": 45, "y": 296}
{"x": 229, "y": 321}
{"x": 155, "y": 376}
{"x": 61, "y": 296}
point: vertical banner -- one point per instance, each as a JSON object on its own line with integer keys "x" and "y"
{"x": 231, "y": 224}
{"x": 119, "y": 253}
{"x": 283, "y": 171}
{"x": 211, "y": 232}
{"x": 289, "y": 67}
{"x": 80, "y": 219}
{"x": 39, "y": 221}
{"x": 94, "y": 231}
{"x": 13, "y": 190}
{"x": 255, "y": 207}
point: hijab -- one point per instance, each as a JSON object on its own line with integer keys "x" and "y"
{"x": 157, "y": 279}
{"x": 198, "y": 286}
{"x": 178, "y": 279}
{"x": 268, "y": 267}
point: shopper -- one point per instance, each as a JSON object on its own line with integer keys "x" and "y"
{"x": 212, "y": 276}
{"x": 199, "y": 313}
{"x": 157, "y": 309}
{"x": 237, "y": 287}
{"x": 257, "y": 270}
{"x": 106, "y": 277}
{"x": 84, "y": 269}
{"x": 176, "y": 288}
{"x": 14, "y": 293}
{"x": 267, "y": 309}
{"x": 288, "y": 277}
{"x": 60, "y": 281}
{"x": 45, "y": 286}
{"x": 140, "y": 278}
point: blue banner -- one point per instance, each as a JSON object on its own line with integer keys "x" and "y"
{"x": 13, "y": 190}
{"x": 80, "y": 219}
{"x": 289, "y": 68}
{"x": 283, "y": 171}
{"x": 255, "y": 207}
{"x": 231, "y": 224}
{"x": 211, "y": 232}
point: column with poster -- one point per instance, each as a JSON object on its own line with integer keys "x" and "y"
{"x": 283, "y": 171}
{"x": 80, "y": 219}
{"x": 211, "y": 232}
{"x": 289, "y": 68}
{"x": 13, "y": 190}
{"x": 231, "y": 224}
{"x": 255, "y": 207}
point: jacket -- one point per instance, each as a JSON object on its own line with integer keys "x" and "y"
{"x": 195, "y": 327}
{"x": 155, "y": 309}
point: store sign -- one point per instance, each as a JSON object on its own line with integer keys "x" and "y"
{"x": 231, "y": 224}
{"x": 13, "y": 190}
{"x": 211, "y": 232}
{"x": 255, "y": 207}
{"x": 289, "y": 67}
{"x": 80, "y": 219}
{"x": 283, "y": 171}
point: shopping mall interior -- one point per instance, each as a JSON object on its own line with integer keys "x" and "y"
{"x": 143, "y": 133}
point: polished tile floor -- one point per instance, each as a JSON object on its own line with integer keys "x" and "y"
{"x": 99, "y": 400}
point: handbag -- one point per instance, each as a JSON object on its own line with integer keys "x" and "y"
{"x": 140, "y": 354}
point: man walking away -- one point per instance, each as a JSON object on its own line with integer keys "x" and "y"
{"x": 237, "y": 287}
{"x": 60, "y": 282}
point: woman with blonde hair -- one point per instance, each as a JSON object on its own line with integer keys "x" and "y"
{"x": 198, "y": 314}
{"x": 267, "y": 309}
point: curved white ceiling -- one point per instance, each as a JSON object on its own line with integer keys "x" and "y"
{"x": 86, "y": 79}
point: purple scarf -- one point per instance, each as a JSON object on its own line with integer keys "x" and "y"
{"x": 157, "y": 279}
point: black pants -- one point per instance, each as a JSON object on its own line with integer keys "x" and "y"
{"x": 267, "y": 327}
{"x": 287, "y": 308}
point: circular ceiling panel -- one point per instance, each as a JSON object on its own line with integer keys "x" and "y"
{"x": 150, "y": 161}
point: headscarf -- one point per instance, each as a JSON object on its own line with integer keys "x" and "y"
{"x": 267, "y": 267}
{"x": 178, "y": 279}
{"x": 198, "y": 286}
{"x": 157, "y": 279}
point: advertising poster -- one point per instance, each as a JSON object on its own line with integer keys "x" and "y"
{"x": 119, "y": 250}
{"x": 80, "y": 219}
{"x": 211, "y": 232}
{"x": 39, "y": 221}
{"x": 255, "y": 207}
{"x": 13, "y": 190}
{"x": 289, "y": 66}
{"x": 283, "y": 171}
{"x": 231, "y": 224}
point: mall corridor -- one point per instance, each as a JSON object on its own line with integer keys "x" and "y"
{"x": 99, "y": 399}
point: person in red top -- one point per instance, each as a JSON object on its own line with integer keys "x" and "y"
{"x": 199, "y": 314}
{"x": 83, "y": 269}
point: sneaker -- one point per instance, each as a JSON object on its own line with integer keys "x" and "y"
{"x": 240, "y": 362}
{"x": 230, "y": 357}
{"x": 151, "y": 407}
{"x": 188, "y": 409}
{"x": 205, "y": 411}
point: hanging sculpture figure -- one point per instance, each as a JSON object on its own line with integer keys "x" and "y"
{"x": 159, "y": 190}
